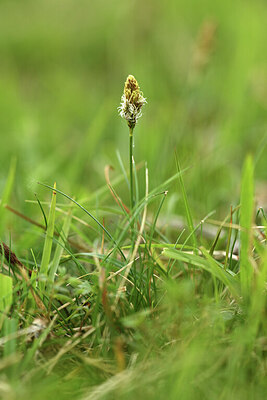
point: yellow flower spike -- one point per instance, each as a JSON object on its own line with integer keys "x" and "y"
{"x": 131, "y": 102}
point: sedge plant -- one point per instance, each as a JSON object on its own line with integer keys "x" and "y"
{"x": 130, "y": 109}
{"x": 158, "y": 317}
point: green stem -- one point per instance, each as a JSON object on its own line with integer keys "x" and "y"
{"x": 131, "y": 168}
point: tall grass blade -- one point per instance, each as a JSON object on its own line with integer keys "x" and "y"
{"x": 10, "y": 327}
{"x": 186, "y": 204}
{"x": 48, "y": 238}
{"x": 60, "y": 245}
{"x": 42, "y": 210}
{"x": 153, "y": 227}
{"x": 123, "y": 168}
{"x": 6, "y": 297}
{"x": 246, "y": 234}
{"x": 258, "y": 300}
{"x": 7, "y": 192}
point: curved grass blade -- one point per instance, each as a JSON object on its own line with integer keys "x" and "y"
{"x": 208, "y": 264}
{"x": 48, "y": 238}
{"x": 42, "y": 210}
{"x": 88, "y": 213}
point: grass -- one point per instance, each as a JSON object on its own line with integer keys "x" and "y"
{"x": 103, "y": 296}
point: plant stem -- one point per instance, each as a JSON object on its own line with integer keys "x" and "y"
{"x": 131, "y": 168}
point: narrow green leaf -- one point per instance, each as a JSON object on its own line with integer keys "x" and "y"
{"x": 209, "y": 264}
{"x": 7, "y": 191}
{"x": 60, "y": 245}
{"x": 123, "y": 168}
{"x": 258, "y": 299}
{"x": 186, "y": 204}
{"x": 153, "y": 227}
{"x": 10, "y": 328}
{"x": 48, "y": 238}
{"x": 225, "y": 275}
{"x": 6, "y": 294}
{"x": 246, "y": 219}
{"x": 88, "y": 213}
{"x": 42, "y": 210}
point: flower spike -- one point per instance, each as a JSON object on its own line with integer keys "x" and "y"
{"x": 131, "y": 102}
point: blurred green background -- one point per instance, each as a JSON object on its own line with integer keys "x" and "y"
{"x": 201, "y": 66}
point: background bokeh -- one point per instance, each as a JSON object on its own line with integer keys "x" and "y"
{"x": 202, "y": 66}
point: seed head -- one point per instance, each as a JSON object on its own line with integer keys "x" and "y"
{"x": 131, "y": 102}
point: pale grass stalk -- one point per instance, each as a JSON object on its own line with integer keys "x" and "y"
{"x": 113, "y": 274}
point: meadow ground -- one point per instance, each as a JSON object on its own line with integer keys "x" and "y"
{"x": 165, "y": 298}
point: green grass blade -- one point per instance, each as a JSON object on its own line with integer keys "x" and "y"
{"x": 258, "y": 300}
{"x": 224, "y": 275}
{"x": 7, "y": 192}
{"x": 123, "y": 168}
{"x": 246, "y": 219}
{"x": 153, "y": 227}
{"x": 208, "y": 264}
{"x": 6, "y": 296}
{"x": 42, "y": 210}
{"x": 136, "y": 182}
{"x": 60, "y": 245}
{"x": 5, "y": 292}
{"x": 48, "y": 238}
{"x": 10, "y": 328}
{"x": 186, "y": 204}
{"x": 88, "y": 213}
